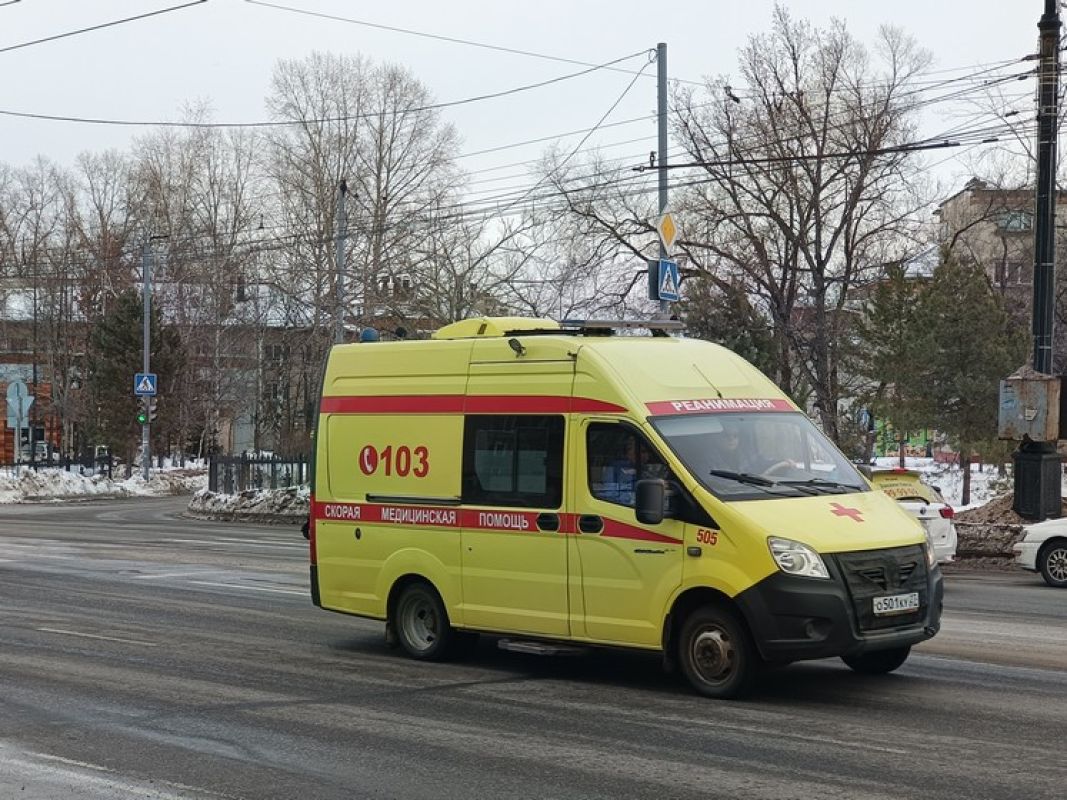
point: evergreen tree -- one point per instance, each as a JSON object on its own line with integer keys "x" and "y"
{"x": 890, "y": 354}
{"x": 970, "y": 345}
{"x": 115, "y": 349}
{"x": 722, "y": 313}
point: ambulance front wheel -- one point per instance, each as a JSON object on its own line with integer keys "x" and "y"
{"x": 716, "y": 653}
{"x": 421, "y": 624}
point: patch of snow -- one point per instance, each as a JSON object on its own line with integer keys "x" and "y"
{"x": 20, "y": 484}
{"x": 986, "y": 480}
{"x": 290, "y": 502}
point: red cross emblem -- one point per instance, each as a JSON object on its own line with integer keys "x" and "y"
{"x": 844, "y": 511}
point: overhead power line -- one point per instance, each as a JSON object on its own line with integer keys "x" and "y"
{"x": 442, "y": 38}
{"x": 101, "y": 26}
{"x": 301, "y": 122}
{"x": 477, "y": 211}
{"x": 552, "y": 172}
{"x": 879, "y": 151}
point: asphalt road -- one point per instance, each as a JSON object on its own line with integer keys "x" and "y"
{"x": 146, "y": 655}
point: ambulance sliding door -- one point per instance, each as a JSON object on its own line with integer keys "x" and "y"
{"x": 514, "y": 549}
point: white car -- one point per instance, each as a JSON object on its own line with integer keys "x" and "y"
{"x": 1043, "y": 549}
{"x": 925, "y": 503}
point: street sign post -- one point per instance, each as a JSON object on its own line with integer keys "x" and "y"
{"x": 667, "y": 285}
{"x": 668, "y": 232}
{"x": 19, "y": 401}
{"x": 144, "y": 384}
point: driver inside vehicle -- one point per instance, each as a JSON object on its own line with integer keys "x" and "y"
{"x": 731, "y": 456}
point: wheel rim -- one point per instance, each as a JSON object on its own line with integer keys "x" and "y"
{"x": 419, "y": 624}
{"x": 714, "y": 655}
{"x": 1056, "y": 564}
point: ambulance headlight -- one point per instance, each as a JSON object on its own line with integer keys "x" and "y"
{"x": 795, "y": 558}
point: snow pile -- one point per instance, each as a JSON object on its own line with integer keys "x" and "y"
{"x": 986, "y": 482}
{"x": 284, "y": 504}
{"x": 56, "y": 484}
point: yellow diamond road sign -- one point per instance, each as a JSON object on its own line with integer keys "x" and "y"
{"x": 668, "y": 231}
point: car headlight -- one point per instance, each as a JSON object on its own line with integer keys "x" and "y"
{"x": 795, "y": 558}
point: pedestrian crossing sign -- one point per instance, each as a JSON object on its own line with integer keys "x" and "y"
{"x": 667, "y": 284}
{"x": 144, "y": 384}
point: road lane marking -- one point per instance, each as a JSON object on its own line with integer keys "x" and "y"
{"x": 98, "y": 636}
{"x": 249, "y": 588}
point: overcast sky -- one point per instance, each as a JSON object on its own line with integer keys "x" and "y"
{"x": 222, "y": 51}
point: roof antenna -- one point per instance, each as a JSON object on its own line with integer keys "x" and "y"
{"x": 517, "y": 346}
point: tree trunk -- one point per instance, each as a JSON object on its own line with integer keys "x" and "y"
{"x": 903, "y": 446}
{"x": 965, "y": 464}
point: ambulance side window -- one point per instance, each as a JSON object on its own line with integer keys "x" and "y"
{"x": 617, "y": 458}
{"x": 513, "y": 461}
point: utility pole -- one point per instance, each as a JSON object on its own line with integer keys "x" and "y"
{"x": 31, "y": 426}
{"x": 1045, "y": 219}
{"x": 342, "y": 234}
{"x": 146, "y": 274}
{"x": 661, "y": 158}
{"x": 1037, "y": 463}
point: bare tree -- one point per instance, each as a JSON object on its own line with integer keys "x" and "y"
{"x": 599, "y": 219}
{"x": 196, "y": 194}
{"x": 803, "y": 187}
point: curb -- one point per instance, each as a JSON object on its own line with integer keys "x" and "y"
{"x": 241, "y": 516}
{"x": 40, "y": 499}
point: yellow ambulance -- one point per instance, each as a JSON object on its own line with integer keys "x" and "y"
{"x": 577, "y": 482}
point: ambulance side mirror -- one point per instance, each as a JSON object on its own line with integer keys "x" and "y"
{"x": 650, "y": 496}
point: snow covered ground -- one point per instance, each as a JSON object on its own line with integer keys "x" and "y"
{"x": 986, "y": 483}
{"x": 24, "y": 484}
{"x": 292, "y": 502}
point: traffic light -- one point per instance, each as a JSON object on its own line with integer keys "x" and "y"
{"x": 142, "y": 412}
{"x": 151, "y": 409}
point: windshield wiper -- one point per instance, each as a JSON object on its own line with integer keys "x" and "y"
{"x": 822, "y": 482}
{"x": 742, "y": 477}
{"x": 765, "y": 484}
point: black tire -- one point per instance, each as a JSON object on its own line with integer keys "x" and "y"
{"x": 1052, "y": 561}
{"x": 421, "y": 623}
{"x": 716, "y": 653}
{"x": 878, "y": 662}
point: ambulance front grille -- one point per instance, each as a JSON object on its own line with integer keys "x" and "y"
{"x": 876, "y": 573}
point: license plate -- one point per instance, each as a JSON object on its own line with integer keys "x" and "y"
{"x": 896, "y": 603}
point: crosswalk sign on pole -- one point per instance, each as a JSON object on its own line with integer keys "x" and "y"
{"x": 668, "y": 280}
{"x": 144, "y": 384}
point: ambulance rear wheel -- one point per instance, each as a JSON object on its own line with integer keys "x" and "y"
{"x": 879, "y": 662}
{"x": 716, "y": 653}
{"x": 421, "y": 623}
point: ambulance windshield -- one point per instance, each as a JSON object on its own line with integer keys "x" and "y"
{"x": 747, "y": 456}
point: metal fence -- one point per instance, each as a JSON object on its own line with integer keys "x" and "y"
{"x": 234, "y": 474}
{"x": 103, "y": 465}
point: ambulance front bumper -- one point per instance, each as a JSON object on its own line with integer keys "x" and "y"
{"x": 793, "y": 618}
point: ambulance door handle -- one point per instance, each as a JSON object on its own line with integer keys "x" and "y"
{"x": 548, "y": 522}
{"x": 590, "y": 523}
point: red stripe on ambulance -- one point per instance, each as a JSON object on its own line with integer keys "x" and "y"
{"x": 718, "y": 405}
{"x": 469, "y": 404}
{"x": 503, "y": 520}
{"x": 613, "y": 529}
